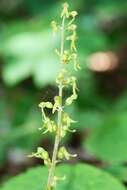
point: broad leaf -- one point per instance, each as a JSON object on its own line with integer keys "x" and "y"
{"x": 119, "y": 171}
{"x": 78, "y": 177}
{"x": 109, "y": 142}
{"x": 30, "y": 54}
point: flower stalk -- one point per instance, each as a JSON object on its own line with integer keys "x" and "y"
{"x": 50, "y": 183}
{"x": 59, "y": 122}
{"x": 64, "y": 79}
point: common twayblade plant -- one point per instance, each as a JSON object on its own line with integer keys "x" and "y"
{"x": 60, "y": 127}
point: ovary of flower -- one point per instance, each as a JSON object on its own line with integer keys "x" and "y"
{"x": 70, "y": 99}
{"x": 74, "y": 85}
{"x": 74, "y": 88}
{"x": 57, "y": 103}
{"x": 73, "y": 97}
{"x": 75, "y": 61}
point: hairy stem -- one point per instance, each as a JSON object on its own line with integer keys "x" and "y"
{"x": 50, "y": 185}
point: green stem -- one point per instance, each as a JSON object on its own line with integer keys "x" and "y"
{"x": 50, "y": 185}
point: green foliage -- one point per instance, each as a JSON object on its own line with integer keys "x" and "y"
{"x": 19, "y": 130}
{"x": 109, "y": 141}
{"x": 111, "y": 8}
{"x": 30, "y": 54}
{"x": 26, "y": 44}
{"x": 83, "y": 117}
{"x": 119, "y": 171}
{"x": 23, "y": 137}
{"x": 79, "y": 177}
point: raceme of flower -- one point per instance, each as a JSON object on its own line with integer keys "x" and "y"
{"x": 66, "y": 56}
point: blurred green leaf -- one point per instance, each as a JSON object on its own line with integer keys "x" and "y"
{"x": 85, "y": 118}
{"x": 30, "y": 54}
{"x": 119, "y": 171}
{"x": 92, "y": 179}
{"x": 20, "y": 130}
{"x": 111, "y": 8}
{"x": 109, "y": 141}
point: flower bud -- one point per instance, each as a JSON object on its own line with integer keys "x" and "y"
{"x": 65, "y": 12}
{"x": 54, "y": 26}
{"x": 57, "y": 104}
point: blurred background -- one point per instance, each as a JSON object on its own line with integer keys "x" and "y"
{"x": 28, "y": 67}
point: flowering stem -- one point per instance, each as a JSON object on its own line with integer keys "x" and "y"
{"x": 64, "y": 79}
{"x": 50, "y": 182}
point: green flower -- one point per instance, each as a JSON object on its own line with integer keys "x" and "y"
{"x": 42, "y": 154}
{"x": 64, "y": 154}
{"x": 48, "y": 126}
{"x": 65, "y": 12}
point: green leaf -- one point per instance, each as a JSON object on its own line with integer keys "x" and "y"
{"x": 24, "y": 137}
{"x": 85, "y": 118}
{"x": 109, "y": 142}
{"x": 78, "y": 177}
{"x": 30, "y": 54}
{"x": 111, "y": 8}
{"x": 119, "y": 171}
